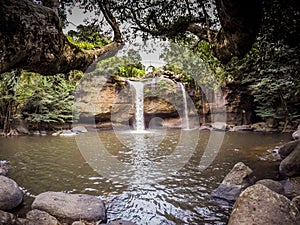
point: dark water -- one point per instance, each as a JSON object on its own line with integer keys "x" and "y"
{"x": 152, "y": 178}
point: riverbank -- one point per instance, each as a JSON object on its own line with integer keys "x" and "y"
{"x": 171, "y": 123}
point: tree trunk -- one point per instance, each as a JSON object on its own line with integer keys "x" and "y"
{"x": 31, "y": 38}
{"x": 52, "y": 4}
{"x": 240, "y": 22}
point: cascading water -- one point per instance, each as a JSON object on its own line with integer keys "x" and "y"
{"x": 186, "y": 112}
{"x": 139, "y": 105}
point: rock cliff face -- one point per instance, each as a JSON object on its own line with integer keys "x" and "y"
{"x": 112, "y": 100}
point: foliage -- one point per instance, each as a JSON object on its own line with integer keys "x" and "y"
{"x": 51, "y": 101}
{"x": 165, "y": 18}
{"x": 87, "y": 37}
{"x": 271, "y": 68}
{"x": 198, "y": 64}
{"x": 125, "y": 66}
{"x": 8, "y": 103}
{"x": 37, "y": 99}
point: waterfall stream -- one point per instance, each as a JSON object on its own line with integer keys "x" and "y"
{"x": 139, "y": 104}
{"x": 186, "y": 112}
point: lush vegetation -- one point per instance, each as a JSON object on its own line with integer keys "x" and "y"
{"x": 271, "y": 68}
{"x": 197, "y": 64}
{"x": 87, "y": 37}
{"x": 125, "y": 66}
{"x": 42, "y": 101}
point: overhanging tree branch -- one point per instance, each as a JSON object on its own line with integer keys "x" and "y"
{"x": 31, "y": 38}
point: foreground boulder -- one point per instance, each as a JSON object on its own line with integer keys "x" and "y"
{"x": 260, "y": 206}
{"x": 238, "y": 179}
{"x": 121, "y": 222}
{"x": 41, "y": 218}
{"x": 296, "y": 201}
{"x": 3, "y": 168}
{"x": 290, "y": 165}
{"x": 291, "y": 187}
{"x": 71, "y": 207}
{"x": 10, "y": 219}
{"x": 10, "y": 194}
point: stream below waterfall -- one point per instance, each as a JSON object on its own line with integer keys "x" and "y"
{"x": 47, "y": 163}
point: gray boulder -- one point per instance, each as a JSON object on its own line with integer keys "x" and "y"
{"x": 3, "y": 167}
{"x": 10, "y": 219}
{"x": 242, "y": 128}
{"x": 275, "y": 186}
{"x": 296, "y": 201}
{"x": 35, "y": 217}
{"x": 290, "y": 166}
{"x": 286, "y": 149}
{"x": 260, "y": 206}
{"x": 79, "y": 129}
{"x": 10, "y": 194}
{"x": 121, "y": 222}
{"x": 238, "y": 179}
{"x": 291, "y": 187}
{"x": 67, "y": 133}
{"x": 296, "y": 134}
{"x": 22, "y": 129}
{"x": 71, "y": 207}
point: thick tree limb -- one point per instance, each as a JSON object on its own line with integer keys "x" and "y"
{"x": 31, "y": 38}
{"x": 240, "y": 22}
{"x": 201, "y": 32}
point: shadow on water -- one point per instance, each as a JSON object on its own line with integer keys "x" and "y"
{"x": 153, "y": 192}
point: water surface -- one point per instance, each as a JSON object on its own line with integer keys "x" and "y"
{"x": 47, "y": 163}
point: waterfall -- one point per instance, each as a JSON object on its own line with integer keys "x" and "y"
{"x": 139, "y": 104}
{"x": 186, "y": 112}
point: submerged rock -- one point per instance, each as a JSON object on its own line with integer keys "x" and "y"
{"x": 238, "y": 179}
{"x": 260, "y": 206}
{"x": 71, "y": 207}
{"x": 10, "y": 194}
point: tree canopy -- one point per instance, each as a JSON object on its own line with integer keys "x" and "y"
{"x": 31, "y": 38}
{"x": 31, "y": 34}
